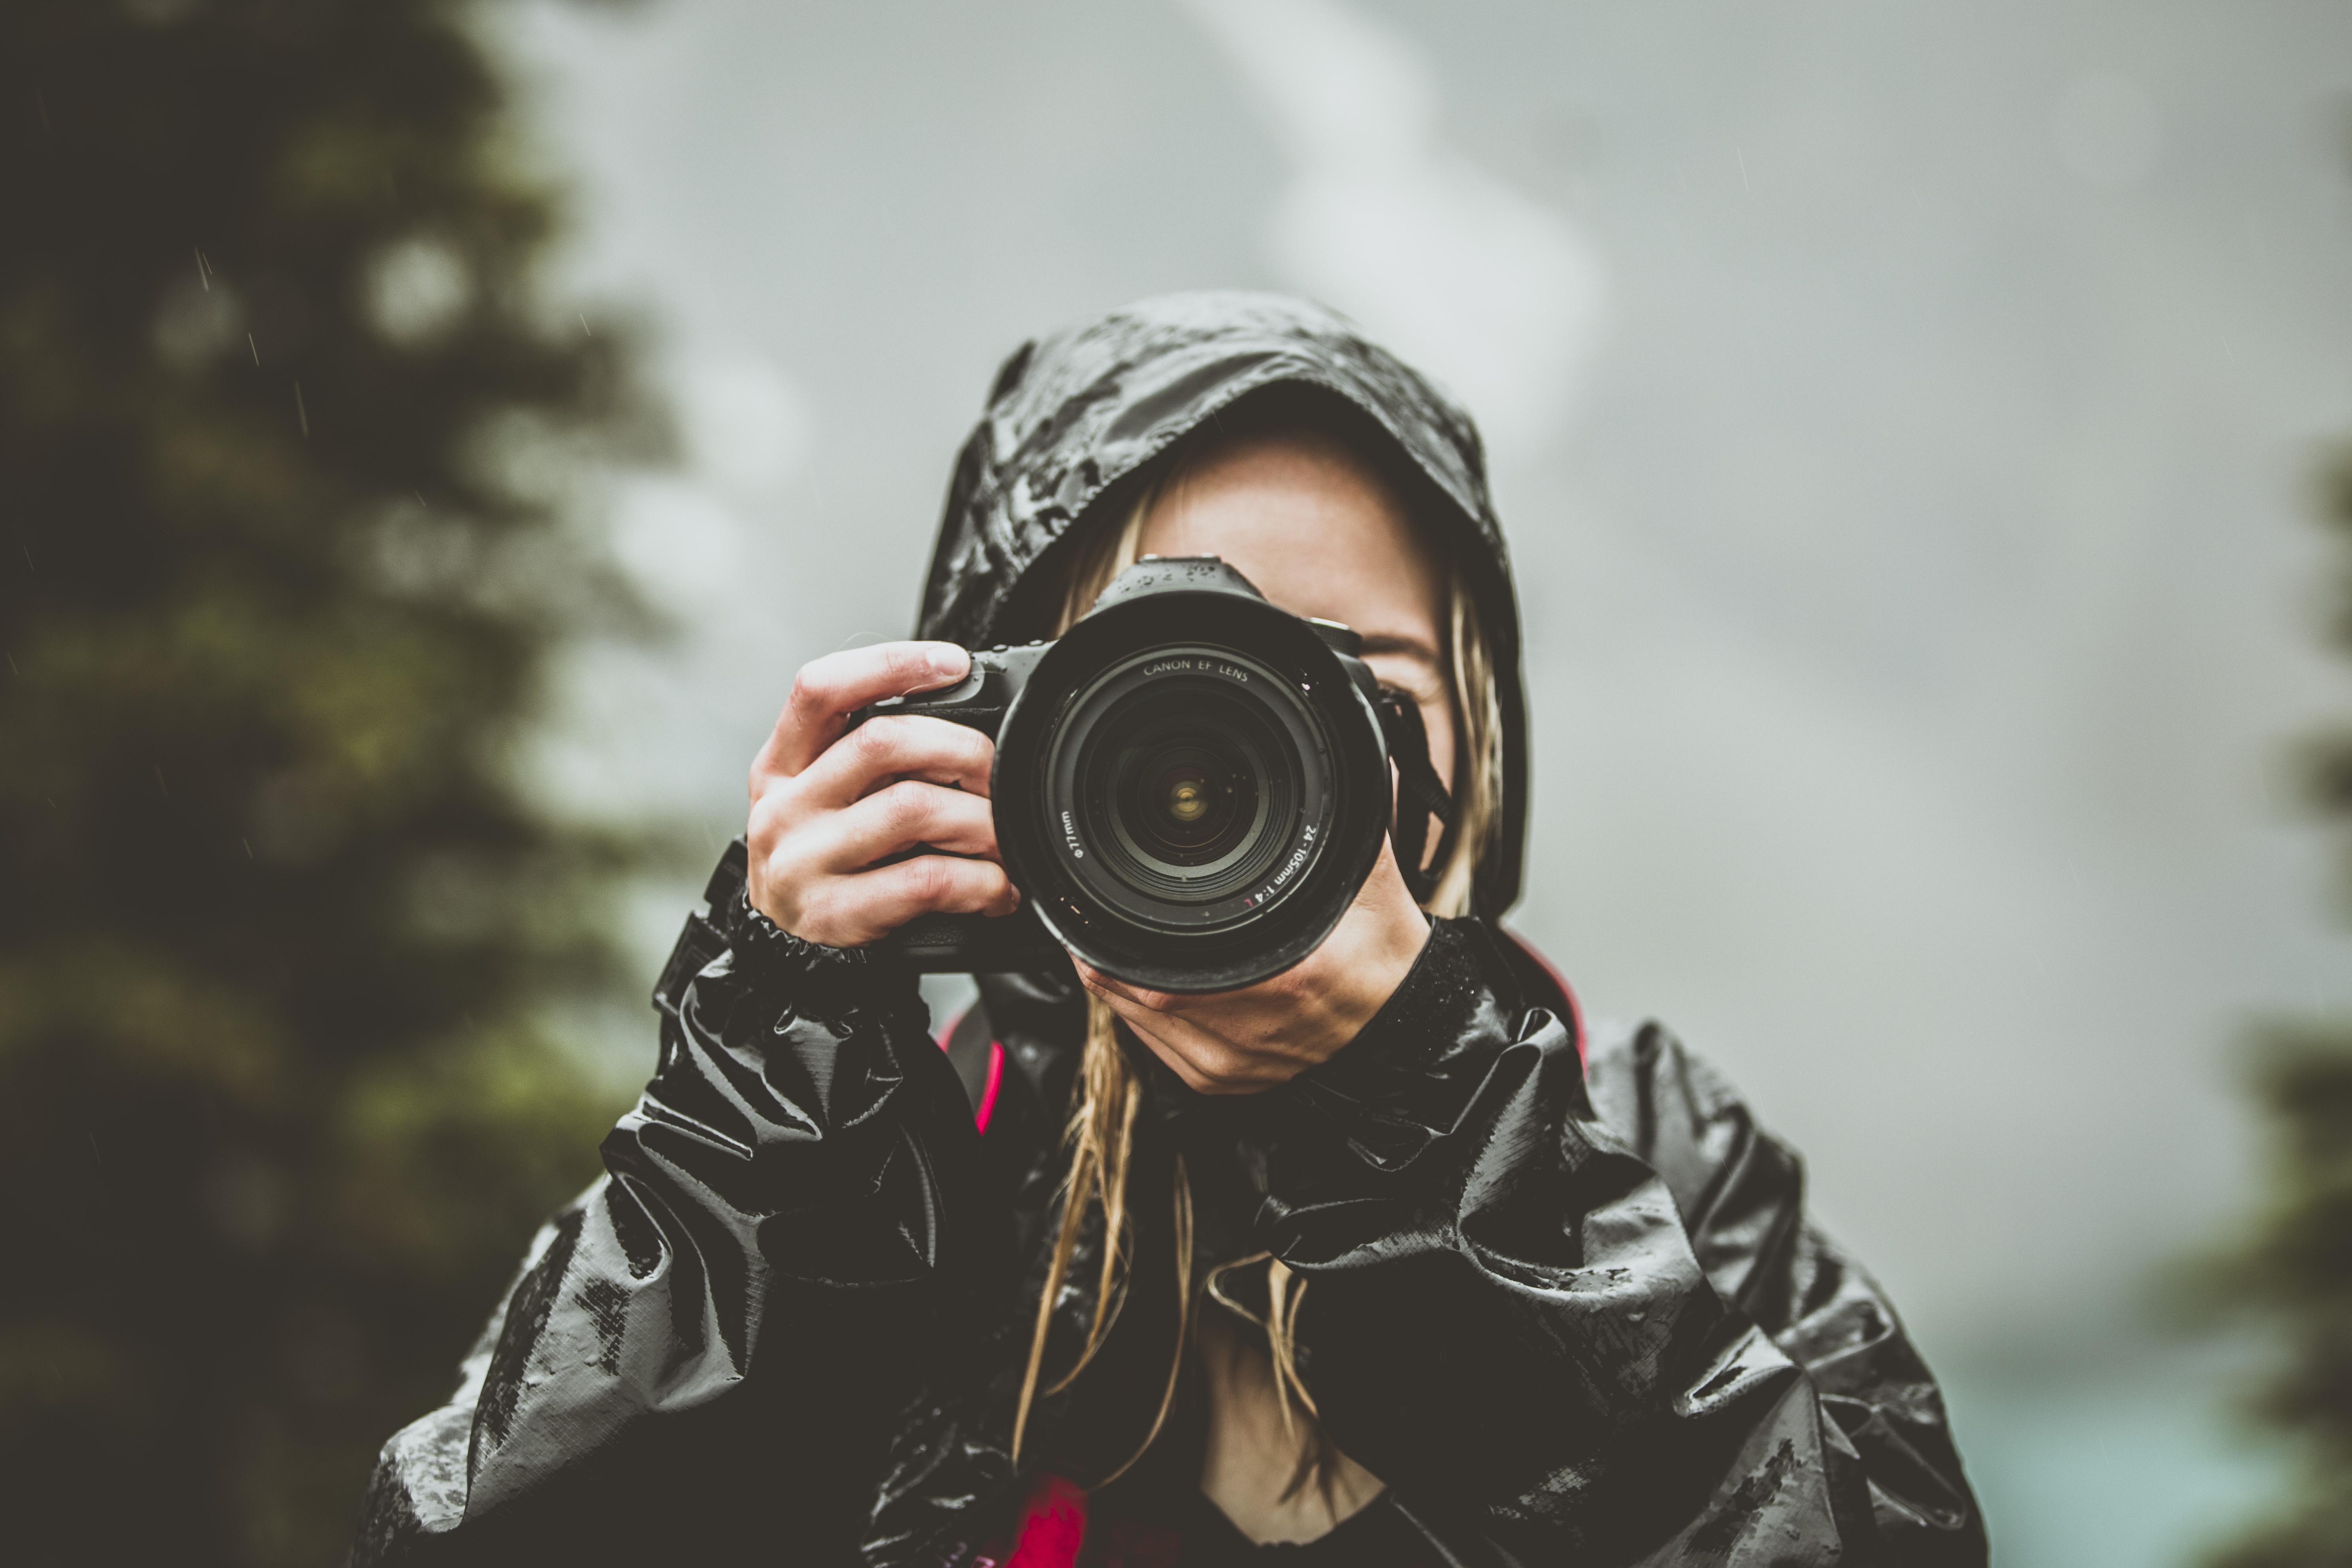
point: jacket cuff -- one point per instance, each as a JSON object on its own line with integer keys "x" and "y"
{"x": 758, "y": 952}
{"x": 761, "y": 946}
{"x": 768, "y": 967}
{"x": 1409, "y": 1077}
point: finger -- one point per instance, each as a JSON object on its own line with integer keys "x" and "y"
{"x": 870, "y": 905}
{"x": 1204, "y": 1007}
{"x": 828, "y": 689}
{"x": 1117, "y": 991}
{"x": 897, "y": 746}
{"x": 906, "y": 814}
{"x": 933, "y": 750}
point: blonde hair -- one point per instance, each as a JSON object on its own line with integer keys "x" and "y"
{"x": 1100, "y": 1133}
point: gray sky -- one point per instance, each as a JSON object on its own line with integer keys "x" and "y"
{"x": 1903, "y": 421}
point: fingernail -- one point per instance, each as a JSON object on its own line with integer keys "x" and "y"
{"x": 949, "y": 659}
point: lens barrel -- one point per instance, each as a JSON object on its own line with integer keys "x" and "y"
{"x": 1192, "y": 785}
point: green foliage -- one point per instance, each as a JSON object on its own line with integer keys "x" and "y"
{"x": 277, "y": 592}
{"x": 2295, "y": 1269}
{"x": 2297, "y": 1272}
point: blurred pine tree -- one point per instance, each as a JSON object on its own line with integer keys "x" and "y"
{"x": 2297, "y": 1272}
{"x": 2295, "y": 1268}
{"x": 278, "y": 587}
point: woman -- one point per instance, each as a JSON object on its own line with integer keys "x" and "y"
{"x": 1379, "y": 1262}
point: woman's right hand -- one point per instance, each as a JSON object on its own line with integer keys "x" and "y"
{"x": 828, "y": 801}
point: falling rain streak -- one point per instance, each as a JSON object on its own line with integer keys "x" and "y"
{"x": 301, "y": 414}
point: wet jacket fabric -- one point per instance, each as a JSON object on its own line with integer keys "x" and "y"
{"x": 1561, "y": 1295}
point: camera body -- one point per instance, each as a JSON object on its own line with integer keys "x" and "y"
{"x": 1190, "y": 787}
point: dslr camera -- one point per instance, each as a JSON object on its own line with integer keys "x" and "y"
{"x": 1191, "y": 785}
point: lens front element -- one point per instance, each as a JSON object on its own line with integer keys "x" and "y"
{"x": 1196, "y": 786}
{"x": 1186, "y": 798}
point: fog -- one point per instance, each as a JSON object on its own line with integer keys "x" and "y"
{"x": 1904, "y": 420}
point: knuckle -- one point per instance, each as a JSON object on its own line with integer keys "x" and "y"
{"x": 868, "y": 744}
{"x": 764, "y": 835}
{"x": 1212, "y": 1080}
{"x": 905, "y": 806}
{"x": 932, "y": 877}
{"x": 785, "y": 865}
{"x": 1220, "y": 1061}
{"x": 777, "y": 810}
{"x": 812, "y": 691}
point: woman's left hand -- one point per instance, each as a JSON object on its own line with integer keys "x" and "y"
{"x": 1240, "y": 1041}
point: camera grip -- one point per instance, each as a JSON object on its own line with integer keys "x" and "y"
{"x": 970, "y": 944}
{"x": 975, "y": 944}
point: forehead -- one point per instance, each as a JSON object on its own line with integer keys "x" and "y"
{"x": 1315, "y": 526}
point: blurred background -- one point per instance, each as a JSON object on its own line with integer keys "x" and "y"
{"x": 434, "y": 435}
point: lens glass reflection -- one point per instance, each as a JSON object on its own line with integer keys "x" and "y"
{"x": 1185, "y": 799}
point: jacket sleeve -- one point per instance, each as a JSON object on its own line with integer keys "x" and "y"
{"x": 1591, "y": 1325}
{"x": 703, "y": 1353}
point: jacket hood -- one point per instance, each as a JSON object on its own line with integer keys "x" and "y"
{"x": 1073, "y": 415}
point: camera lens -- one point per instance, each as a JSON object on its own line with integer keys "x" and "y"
{"x": 1192, "y": 787}
{"x": 1185, "y": 787}
{"x": 1186, "y": 774}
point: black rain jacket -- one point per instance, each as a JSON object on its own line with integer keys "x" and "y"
{"x": 1565, "y": 1301}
